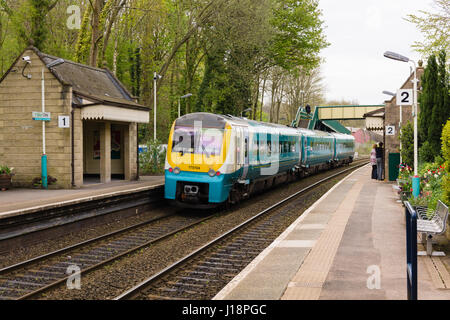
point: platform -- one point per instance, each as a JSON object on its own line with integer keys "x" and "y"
{"x": 20, "y": 200}
{"x": 349, "y": 245}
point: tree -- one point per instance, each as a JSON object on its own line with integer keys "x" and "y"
{"x": 435, "y": 28}
{"x": 428, "y": 97}
{"x": 434, "y": 103}
{"x": 441, "y": 109}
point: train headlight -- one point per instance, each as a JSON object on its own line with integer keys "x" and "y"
{"x": 176, "y": 170}
{"x": 211, "y": 173}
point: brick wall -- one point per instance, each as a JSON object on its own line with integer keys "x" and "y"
{"x": 21, "y": 137}
{"x": 392, "y": 118}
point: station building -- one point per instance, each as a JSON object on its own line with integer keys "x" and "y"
{"x": 93, "y": 129}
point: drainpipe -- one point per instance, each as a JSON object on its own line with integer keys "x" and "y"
{"x": 73, "y": 147}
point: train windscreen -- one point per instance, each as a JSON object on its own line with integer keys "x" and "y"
{"x": 195, "y": 140}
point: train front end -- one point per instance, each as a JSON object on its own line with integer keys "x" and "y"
{"x": 195, "y": 170}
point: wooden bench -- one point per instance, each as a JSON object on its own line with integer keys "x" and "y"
{"x": 431, "y": 223}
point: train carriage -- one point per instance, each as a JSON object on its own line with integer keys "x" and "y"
{"x": 344, "y": 149}
{"x": 212, "y": 159}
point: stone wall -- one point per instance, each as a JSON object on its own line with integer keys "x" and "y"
{"x": 392, "y": 118}
{"x": 21, "y": 137}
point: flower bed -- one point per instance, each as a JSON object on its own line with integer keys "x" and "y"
{"x": 431, "y": 184}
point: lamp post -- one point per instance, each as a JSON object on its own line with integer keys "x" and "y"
{"x": 179, "y": 104}
{"x": 155, "y": 79}
{"x": 416, "y": 179}
{"x": 399, "y": 124}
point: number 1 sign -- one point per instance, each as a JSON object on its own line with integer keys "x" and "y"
{"x": 63, "y": 121}
{"x": 404, "y": 97}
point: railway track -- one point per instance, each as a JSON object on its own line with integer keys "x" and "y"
{"x": 35, "y": 276}
{"x": 204, "y": 272}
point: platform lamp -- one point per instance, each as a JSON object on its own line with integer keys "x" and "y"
{"x": 416, "y": 179}
{"x": 179, "y": 103}
{"x": 399, "y": 124}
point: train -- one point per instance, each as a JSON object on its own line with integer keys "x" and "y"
{"x": 213, "y": 159}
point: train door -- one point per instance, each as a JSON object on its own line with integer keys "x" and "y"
{"x": 245, "y": 148}
{"x": 298, "y": 147}
{"x": 305, "y": 149}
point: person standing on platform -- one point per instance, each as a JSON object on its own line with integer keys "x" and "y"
{"x": 373, "y": 161}
{"x": 379, "y": 154}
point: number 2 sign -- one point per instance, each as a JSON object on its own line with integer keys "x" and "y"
{"x": 390, "y": 130}
{"x": 404, "y": 97}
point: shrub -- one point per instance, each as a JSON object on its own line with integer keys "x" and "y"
{"x": 445, "y": 138}
{"x": 37, "y": 182}
{"x": 426, "y": 153}
{"x": 152, "y": 160}
{"x": 5, "y": 169}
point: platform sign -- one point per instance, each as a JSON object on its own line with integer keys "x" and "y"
{"x": 38, "y": 115}
{"x": 404, "y": 97}
{"x": 64, "y": 121}
{"x": 390, "y": 130}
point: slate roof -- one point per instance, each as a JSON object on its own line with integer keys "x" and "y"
{"x": 95, "y": 84}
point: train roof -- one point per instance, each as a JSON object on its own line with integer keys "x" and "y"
{"x": 219, "y": 121}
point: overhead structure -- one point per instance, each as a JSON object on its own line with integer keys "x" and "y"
{"x": 327, "y": 116}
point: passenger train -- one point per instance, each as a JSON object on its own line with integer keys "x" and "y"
{"x": 221, "y": 159}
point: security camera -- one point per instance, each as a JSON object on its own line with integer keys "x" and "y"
{"x": 157, "y": 76}
{"x": 26, "y": 59}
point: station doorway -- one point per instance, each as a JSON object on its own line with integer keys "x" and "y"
{"x": 92, "y": 151}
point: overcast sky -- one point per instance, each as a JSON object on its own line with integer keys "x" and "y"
{"x": 359, "y": 32}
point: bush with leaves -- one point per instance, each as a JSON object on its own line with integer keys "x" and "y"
{"x": 446, "y": 155}
{"x": 431, "y": 176}
{"x": 5, "y": 169}
{"x": 153, "y": 159}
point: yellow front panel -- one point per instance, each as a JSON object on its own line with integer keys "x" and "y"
{"x": 198, "y": 162}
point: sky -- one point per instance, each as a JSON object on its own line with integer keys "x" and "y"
{"x": 359, "y": 32}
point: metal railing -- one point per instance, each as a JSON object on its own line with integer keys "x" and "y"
{"x": 411, "y": 250}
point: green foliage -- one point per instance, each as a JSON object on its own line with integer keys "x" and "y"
{"x": 4, "y": 169}
{"x": 431, "y": 176}
{"x": 446, "y": 154}
{"x": 298, "y": 34}
{"x": 434, "y": 105}
{"x": 152, "y": 160}
{"x": 426, "y": 153}
{"x": 84, "y": 37}
{"x": 407, "y": 138}
{"x": 37, "y": 182}
{"x": 434, "y": 27}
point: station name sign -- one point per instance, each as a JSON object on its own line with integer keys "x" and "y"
{"x": 43, "y": 116}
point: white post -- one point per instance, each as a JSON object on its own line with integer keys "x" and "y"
{"x": 416, "y": 162}
{"x": 154, "y": 107}
{"x": 400, "y": 132}
{"x": 179, "y": 107}
{"x": 43, "y": 110}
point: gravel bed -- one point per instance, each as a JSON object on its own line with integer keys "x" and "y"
{"x": 112, "y": 280}
{"x": 46, "y": 246}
